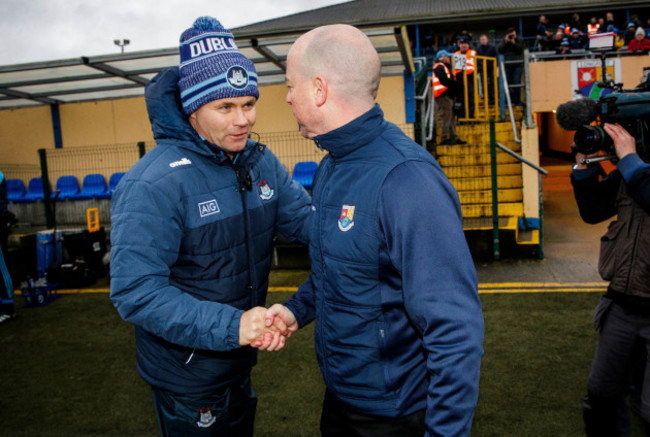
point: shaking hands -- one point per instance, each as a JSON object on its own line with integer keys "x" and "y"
{"x": 267, "y": 329}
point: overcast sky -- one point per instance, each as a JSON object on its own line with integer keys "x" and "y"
{"x": 43, "y": 30}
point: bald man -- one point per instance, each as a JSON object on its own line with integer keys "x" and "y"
{"x": 393, "y": 288}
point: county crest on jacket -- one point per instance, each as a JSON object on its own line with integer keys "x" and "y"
{"x": 347, "y": 218}
{"x": 266, "y": 192}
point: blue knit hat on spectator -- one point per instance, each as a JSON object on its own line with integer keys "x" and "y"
{"x": 212, "y": 67}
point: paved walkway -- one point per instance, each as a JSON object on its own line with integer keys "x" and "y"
{"x": 570, "y": 245}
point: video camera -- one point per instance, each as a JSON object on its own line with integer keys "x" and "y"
{"x": 629, "y": 108}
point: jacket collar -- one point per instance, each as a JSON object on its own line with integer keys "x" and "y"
{"x": 357, "y": 133}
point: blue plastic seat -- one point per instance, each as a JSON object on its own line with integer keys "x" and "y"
{"x": 34, "y": 190}
{"x": 67, "y": 186}
{"x": 15, "y": 190}
{"x": 303, "y": 173}
{"x": 94, "y": 185}
{"x": 112, "y": 184}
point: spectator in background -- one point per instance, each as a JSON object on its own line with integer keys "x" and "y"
{"x": 488, "y": 50}
{"x": 549, "y": 43}
{"x": 468, "y": 70}
{"x": 647, "y": 27}
{"x": 609, "y": 20}
{"x": 601, "y": 25}
{"x": 542, "y": 28}
{"x": 7, "y": 219}
{"x": 592, "y": 26}
{"x": 445, "y": 91}
{"x": 557, "y": 38}
{"x": 629, "y": 32}
{"x": 575, "y": 22}
{"x": 640, "y": 44}
{"x": 462, "y": 34}
{"x": 512, "y": 49}
{"x": 564, "y": 48}
{"x": 577, "y": 40}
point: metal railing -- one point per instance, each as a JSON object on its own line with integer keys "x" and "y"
{"x": 495, "y": 201}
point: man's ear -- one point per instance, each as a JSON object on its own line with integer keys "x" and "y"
{"x": 320, "y": 90}
{"x": 192, "y": 119}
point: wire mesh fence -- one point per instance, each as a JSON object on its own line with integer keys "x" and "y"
{"x": 82, "y": 161}
{"x": 24, "y": 172}
{"x": 109, "y": 159}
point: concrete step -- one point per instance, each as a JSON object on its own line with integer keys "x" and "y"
{"x": 475, "y": 159}
{"x": 466, "y": 171}
{"x": 485, "y": 183}
{"x": 485, "y": 197}
{"x": 485, "y": 210}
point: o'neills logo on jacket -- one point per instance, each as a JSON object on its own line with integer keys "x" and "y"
{"x": 183, "y": 161}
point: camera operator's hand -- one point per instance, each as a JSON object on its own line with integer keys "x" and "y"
{"x": 624, "y": 143}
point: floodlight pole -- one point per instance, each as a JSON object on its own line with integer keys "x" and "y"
{"x": 121, "y": 43}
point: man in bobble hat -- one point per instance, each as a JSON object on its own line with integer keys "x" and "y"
{"x": 192, "y": 230}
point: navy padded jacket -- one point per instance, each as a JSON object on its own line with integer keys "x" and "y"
{"x": 191, "y": 236}
{"x": 393, "y": 288}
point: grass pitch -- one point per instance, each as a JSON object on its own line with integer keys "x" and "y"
{"x": 68, "y": 369}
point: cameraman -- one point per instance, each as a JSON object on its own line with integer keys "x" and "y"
{"x": 623, "y": 313}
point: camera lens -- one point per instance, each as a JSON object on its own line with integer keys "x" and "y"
{"x": 590, "y": 139}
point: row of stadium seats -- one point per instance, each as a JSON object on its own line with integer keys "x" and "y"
{"x": 93, "y": 187}
{"x": 303, "y": 173}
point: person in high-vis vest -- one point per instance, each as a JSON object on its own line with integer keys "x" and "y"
{"x": 593, "y": 26}
{"x": 470, "y": 55}
{"x": 445, "y": 90}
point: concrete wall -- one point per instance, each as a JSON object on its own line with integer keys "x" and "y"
{"x": 550, "y": 82}
{"x": 24, "y": 131}
{"x": 105, "y": 122}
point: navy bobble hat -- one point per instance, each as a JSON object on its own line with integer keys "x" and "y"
{"x": 212, "y": 67}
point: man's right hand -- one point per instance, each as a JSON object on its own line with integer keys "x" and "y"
{"x": 252, "y": 326}
{"x": 281, "y": 324}
{"x": 282, "y": 319}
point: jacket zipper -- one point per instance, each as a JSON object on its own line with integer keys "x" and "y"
{"x": 242, "y": 188}
{"x": 321, "y": 295}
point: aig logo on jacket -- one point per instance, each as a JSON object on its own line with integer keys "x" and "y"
{"x": 208, "y": 208}
{"x": 347, "y": 218}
